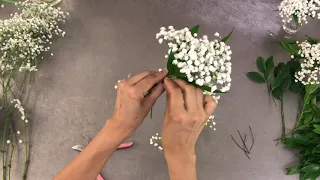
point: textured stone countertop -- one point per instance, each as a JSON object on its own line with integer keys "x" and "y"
{"x": 107, "y": 39}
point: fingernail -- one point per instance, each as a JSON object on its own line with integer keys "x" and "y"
{"x": 165, "y": 70}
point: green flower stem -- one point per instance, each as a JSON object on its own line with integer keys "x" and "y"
{"x": 150, "y": 113}
{"x": 5, "y": 87}
{"x": 26, "y": 144}
{"x": 9, "y": 1}
{"x": 282, "y": 118}
{"x": 305, "y": 99}
{"x": 269, "y": 88}
{"x": 12, "y": 150}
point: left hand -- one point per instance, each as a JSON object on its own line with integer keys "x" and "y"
{"x": 133, "y": 104}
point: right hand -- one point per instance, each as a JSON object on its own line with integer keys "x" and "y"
{"x": 187, "y": 111}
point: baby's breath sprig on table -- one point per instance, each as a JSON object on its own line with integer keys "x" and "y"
{"x": 24, "y": 37}
{"x": 299, "y": 75}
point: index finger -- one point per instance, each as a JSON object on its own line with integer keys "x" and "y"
{"x": 137, "y": 77}
{"x": 174, "y": 95}
{"x": 145, "y": 84}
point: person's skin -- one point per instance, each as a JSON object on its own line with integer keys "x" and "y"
{"x": 186, "y": 113}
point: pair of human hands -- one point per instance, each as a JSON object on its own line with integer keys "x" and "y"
{"x": 186, "y": 109}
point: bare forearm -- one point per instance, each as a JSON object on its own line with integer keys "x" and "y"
{"x": 90, "y": 161}
{"x": 182, "y": 167}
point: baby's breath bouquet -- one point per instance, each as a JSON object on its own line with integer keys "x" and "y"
{"x": 199, "y": 61}
{"x": 294, "y": 13}
{"x": 24, "y": 37}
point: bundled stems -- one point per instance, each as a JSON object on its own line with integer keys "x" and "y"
{"x": 5, "y": 87}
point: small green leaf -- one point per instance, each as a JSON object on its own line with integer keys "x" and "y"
{"x": 286, "y": 47}
{"x": 225, "y": 39}
{"x": 316, "y": 111}
{"x": 311, "y": 40}
{"x": 281, "y": 67}
{"x": 286, "y": 83}
{"x": 317, "y": 126}
{"x": 195, "y": 29}
{"x": 296, "y": 87}
{"x": 256, "y": 76}
{"x": 269, "y": 62}
{"x": 170, "y": 66}
{"x": 277, "y": 81}
{"x": 311, "y": 88}
{"x": 300, "y": 139}
{"x": 307, "y": 118}
{"x": 270, "y": 68}
{"x": 293, "y": 67}
{"x": 294, "y": 169}
{"x": 310, "y": 176}
{"x": 290, "y": 143}
{"x": 294, "y": 48}
{"x": 261, "y": 64}
{"x": 277, "y": 93}
{"x": 311, "y": 168}
{"x": 269, "y": 72}
{"x": 316, "y": 131}
{"x": 295, "y": 18}
{"x": 290, "y": 41}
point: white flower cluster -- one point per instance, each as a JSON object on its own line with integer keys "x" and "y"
{"x": 202, "y": 61}
{"x": 26, "y": 35}
{"x": 309, "y": 73}
{"x": 18, "y": 105}
{"x": 299, "y": 8}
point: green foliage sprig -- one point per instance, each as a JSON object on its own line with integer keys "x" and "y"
{"x": 305, "y": 137}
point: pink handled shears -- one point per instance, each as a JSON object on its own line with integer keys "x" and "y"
{"x": 122, "y": 146}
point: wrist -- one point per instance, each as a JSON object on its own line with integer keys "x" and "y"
{"x": 181, "y": 157}
{"x": 181, "y": 166}
{"x": 115, "y": 130}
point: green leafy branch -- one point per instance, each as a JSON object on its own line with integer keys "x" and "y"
{"x": 305, "y": 137}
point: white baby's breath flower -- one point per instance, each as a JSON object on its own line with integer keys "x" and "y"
{"x": 26, "y": 35}
{"x": 20, "y": 108}
{"x": 20, "y": 141}
{"x": 2, "y": 5}
{"x": 310, "y": 65}
{"x": 8, "y": 141}
{"x": 18, "y": 132}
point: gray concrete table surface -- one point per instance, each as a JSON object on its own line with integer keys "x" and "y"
{"x": 107, "y": 39}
